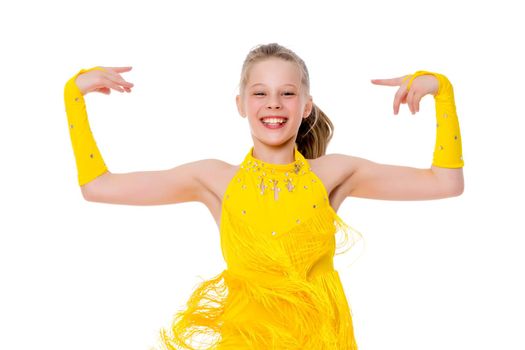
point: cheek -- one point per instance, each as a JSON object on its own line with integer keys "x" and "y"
{"x": 254, "y": 105}
{"x": 293, "y": 105}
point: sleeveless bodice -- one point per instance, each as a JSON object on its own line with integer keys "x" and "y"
{"x": 273, "y": 203}
{"x": 280, "y": 289}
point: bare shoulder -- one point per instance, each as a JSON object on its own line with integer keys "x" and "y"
{"x": 333, "y": 169}
{"x": 214, "y": 176}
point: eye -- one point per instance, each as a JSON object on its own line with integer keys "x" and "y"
{"x": 286, "y": 93}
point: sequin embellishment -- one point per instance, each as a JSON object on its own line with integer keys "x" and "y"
{"x": 274, "y": 177}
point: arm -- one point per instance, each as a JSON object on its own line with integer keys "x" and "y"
{"x": 183, "y": 183}
{"x": 368, "y": 179}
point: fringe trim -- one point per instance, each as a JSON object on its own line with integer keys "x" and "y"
{"x": 271, "y": 272}
{"x": 193, "y": 327}
{"x": 282, "y": 254}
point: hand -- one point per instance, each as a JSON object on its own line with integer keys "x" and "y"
{"x": 103, "y": 80}
{"x": 421, "y": 86}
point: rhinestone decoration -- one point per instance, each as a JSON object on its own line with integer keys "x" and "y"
{"x": 289, "y": 185}
{"x": 262, "y": 186}
{"x": 275, "y": 189}
{"x": 274, "y": 179}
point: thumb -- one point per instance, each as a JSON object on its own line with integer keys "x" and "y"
{"x": 104, "y": 90}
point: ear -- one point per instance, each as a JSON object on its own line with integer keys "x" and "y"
{"x": 308, "y": 107}
{"x": 240, "y": 108}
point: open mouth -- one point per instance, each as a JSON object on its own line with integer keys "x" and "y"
{"x": 274, "y": 121}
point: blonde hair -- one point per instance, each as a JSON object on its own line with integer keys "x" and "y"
{"x": 315, "y": 131}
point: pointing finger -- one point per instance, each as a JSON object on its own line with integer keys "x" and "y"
{"x": 388, "y": 82}
{"x": 119, "y": 69}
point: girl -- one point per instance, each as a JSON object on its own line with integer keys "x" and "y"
{"x": 276, "y": 210}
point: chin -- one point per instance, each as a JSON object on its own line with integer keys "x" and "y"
{"x": 274, "y": 141}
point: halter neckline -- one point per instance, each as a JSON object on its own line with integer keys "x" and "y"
{"x": 298, "y": 165}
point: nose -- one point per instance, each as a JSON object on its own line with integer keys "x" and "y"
{"x": 273, "y": 102}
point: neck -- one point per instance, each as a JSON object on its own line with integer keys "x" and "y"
{"x": 280, "y": 154}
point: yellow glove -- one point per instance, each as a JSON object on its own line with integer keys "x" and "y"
{"x": 88, "y": 158}
{"x": 448, "y": 150}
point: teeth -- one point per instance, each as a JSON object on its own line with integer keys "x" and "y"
{"x": 273, "y": 120}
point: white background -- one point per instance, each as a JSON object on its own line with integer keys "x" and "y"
{"x": 442, "y": 274}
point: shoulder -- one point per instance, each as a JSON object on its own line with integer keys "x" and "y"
{"x": 334, "y": 169}
{"x": 336, "y": 164}
{"x": 211, "y": 168}
{"x": 214, "y": 174}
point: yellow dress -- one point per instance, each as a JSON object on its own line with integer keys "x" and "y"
{"x": 280, "y": 289}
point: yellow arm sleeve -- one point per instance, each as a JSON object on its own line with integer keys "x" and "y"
{"x": 87, "y": 155}
{"x": 448, "y": 148}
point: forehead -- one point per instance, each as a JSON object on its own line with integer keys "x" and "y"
{"x": 274, "y": 71}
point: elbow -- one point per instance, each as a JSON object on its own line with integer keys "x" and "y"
{"x": 456, "y": 193}
{"x": 460, "y": 190}
{"x": 86, "y": 193}
{"x": 450, "y": 181}
{"x": 90, "y": 189}
{"x": 456, "y": 190}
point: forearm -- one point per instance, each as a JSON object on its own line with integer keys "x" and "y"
{"x": 448, "y": 151}
{"x": 447, "y": 163}
{"x": 89, "y": 161}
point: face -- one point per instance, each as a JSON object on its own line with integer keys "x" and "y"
{"x": 274, "y": 89}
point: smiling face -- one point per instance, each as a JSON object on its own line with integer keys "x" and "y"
{"x": 274, "y": 89}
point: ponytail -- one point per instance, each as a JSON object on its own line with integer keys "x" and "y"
{"x": 314, "y": 134}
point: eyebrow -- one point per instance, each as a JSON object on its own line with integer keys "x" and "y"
{"x": 264, "y": 85}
